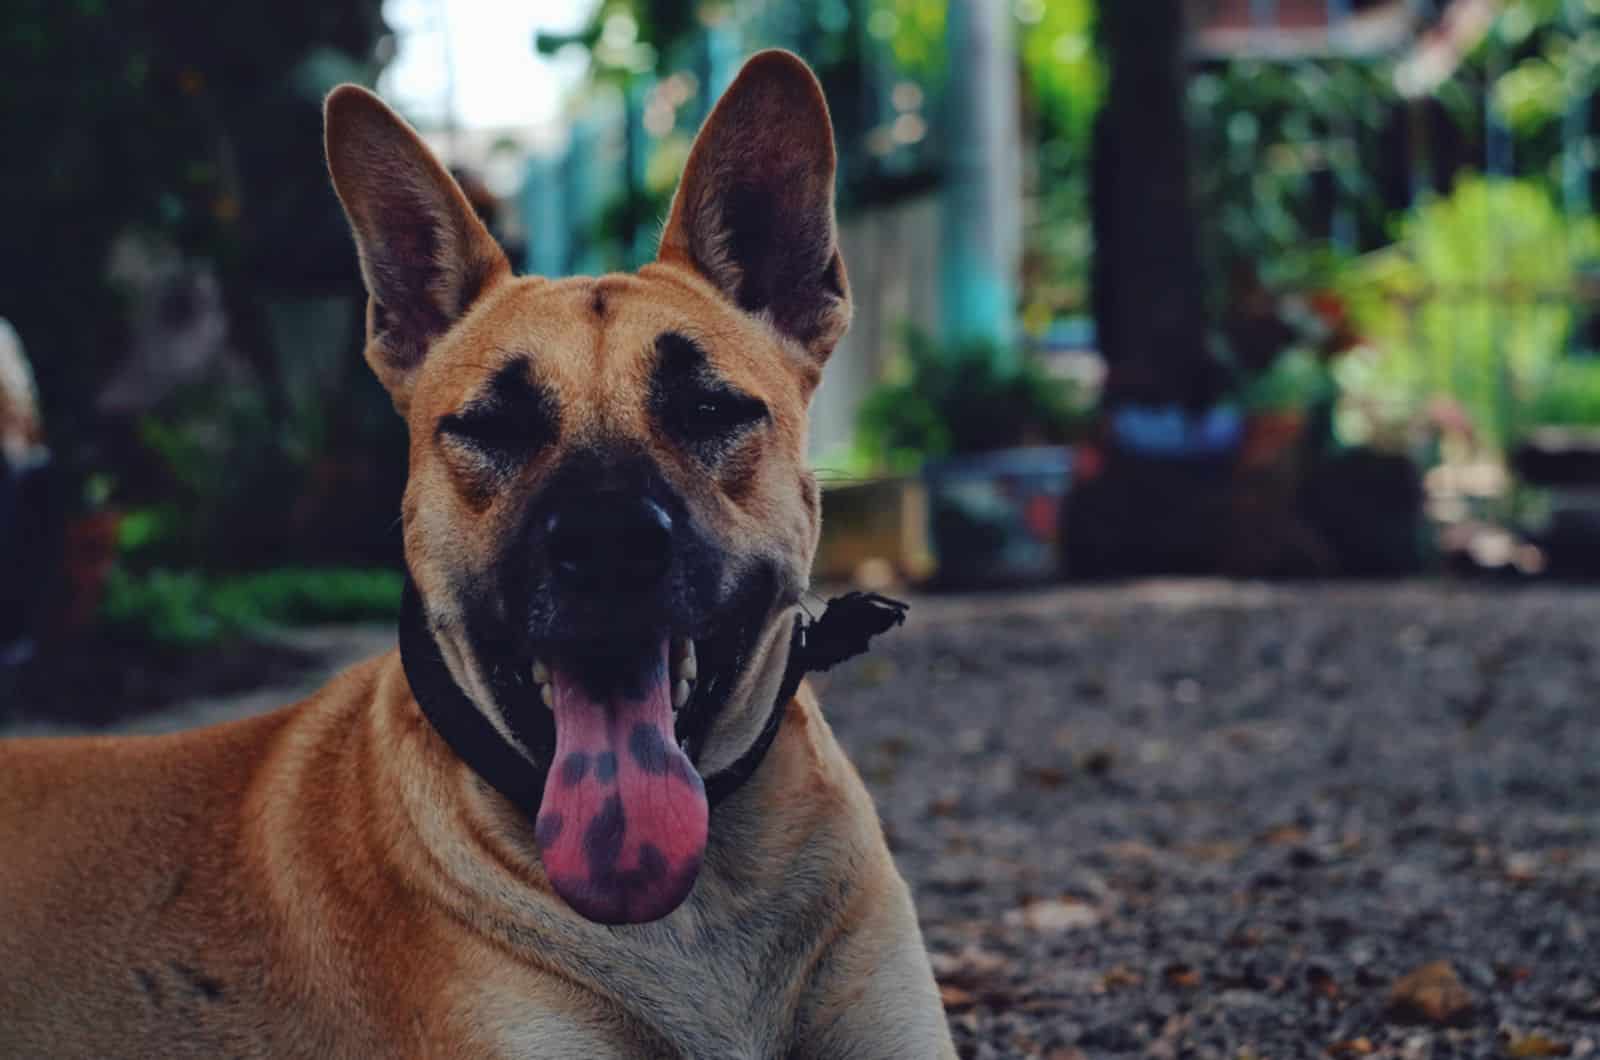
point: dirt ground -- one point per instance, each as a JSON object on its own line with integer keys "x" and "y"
{"x": 1212, "y": 820}
{"x": 1221, "y": 821}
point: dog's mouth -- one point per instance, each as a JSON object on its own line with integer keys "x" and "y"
{"x": 623, "y": 820}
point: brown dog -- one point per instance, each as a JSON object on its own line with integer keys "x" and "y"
{"x": 539, "y": 829}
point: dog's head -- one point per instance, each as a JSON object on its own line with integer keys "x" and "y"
{"x": 609, "y": 516}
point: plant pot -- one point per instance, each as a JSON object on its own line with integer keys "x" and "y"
{"x": 994, "y": 518}
{"x": 89, "y": 551}
{"x": 873, "y": 532}
{"x": 1270, "y": 436}
{"x": 1559, "y": 456}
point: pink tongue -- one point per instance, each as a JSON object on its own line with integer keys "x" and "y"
{"x": 622, "y": 827}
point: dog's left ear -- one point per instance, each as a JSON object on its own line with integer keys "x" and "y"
{"x": 754, "y": 211}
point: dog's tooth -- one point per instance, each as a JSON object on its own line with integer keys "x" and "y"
{"x": 541, "y": 672}
{"x": 689, "y": 669}
{"x": 680, "y": 694}
{"x": 548, "y": 694}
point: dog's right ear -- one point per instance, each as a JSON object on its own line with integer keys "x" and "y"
{"x": 425, "y": 255}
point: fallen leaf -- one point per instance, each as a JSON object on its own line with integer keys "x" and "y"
{"x": 1536, "y": 1044}
{"x": 944, "y": 806}
{"x": 1353, "y": 1047}
{"x": 1120, "y": 977}
{"x": 1432, "y": 994}
{"x": 1181, "y": 976}
{"x": 955, "y": 998}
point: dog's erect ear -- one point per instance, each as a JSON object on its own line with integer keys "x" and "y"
{"x": 425, "y": 255}
{"x": 754, "y": 211}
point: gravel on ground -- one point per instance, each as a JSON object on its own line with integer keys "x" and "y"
{"x": 1220, "y": 820}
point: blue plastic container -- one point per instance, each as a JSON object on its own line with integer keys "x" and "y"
{"x": 994, "y": 518}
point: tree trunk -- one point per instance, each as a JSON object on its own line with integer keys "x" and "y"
{"x": 1148, "y": 298}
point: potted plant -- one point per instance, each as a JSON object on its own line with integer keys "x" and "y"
{"x": 1556, "y": 458}
{"x": 1559, "y": 436}
{"x": 986, "y": 434}
{"x": 1279, "y": 403}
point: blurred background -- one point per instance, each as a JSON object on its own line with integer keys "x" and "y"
{"x": 1260, "y": 288}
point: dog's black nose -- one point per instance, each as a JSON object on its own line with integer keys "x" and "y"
{"x": 609, "y": 541}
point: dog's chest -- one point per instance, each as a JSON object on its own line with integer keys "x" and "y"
{"x": 654, "y": 1004}
{"x": 712, "y": 986}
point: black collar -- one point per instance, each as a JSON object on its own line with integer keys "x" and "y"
{"x": 844, "y": 630}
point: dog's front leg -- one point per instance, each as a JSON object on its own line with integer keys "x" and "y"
{"x": 872, "y": 994}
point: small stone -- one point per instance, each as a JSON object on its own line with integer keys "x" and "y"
{"x": 1061, "y": 914}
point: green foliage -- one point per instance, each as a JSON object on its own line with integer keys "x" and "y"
{"x": 1568, "y": 396}
{"x": 301, "y": 596}
{"x": 1055, "y": 40}
{"x": 945, "y": 402}
{"x": 229, "y": 475}
{"x": 1531, "y": 95}
{"x": 188, "y": 608}
{"x": 915, "y": 32}
{"x": 1475, "y": 300}
{"x": 1061, "y": 64}
{"x": 1297, "y": 380}
{"x": 1263, "y": 133}
{"x": 1540, "y": 60}
{"x": 164, "y": 607}
{"x": 1552, "y": 61}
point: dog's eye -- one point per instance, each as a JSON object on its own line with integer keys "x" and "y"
{"x": 716, "y": 415}
{"x": 508, "y": 422}
{"x": 498, "y": 431}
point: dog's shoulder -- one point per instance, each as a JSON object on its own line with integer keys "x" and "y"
{"x": 815, "y": 767}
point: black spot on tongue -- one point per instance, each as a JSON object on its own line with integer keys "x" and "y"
{"x": 632, "y": 830}
{"x": 649, "y": 750}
